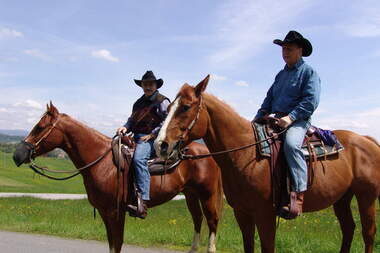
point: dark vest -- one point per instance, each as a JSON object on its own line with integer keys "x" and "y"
{"x": 144, "y": 114}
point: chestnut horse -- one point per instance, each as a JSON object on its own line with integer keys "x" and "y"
{"x": 246, "y": 177}
{"x": 200, "y": 181}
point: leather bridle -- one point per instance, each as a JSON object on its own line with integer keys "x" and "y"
{"x": 41, "y": 170}
{"x": 182, "y": 150}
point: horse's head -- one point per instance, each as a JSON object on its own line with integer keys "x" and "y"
{"x": 44, "y": 137}
{"x": 186, "y": 121}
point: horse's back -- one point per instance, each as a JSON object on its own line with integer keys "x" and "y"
{"x": 204, "y": 170}
{"x": 363, "y": 152}
{"x": 196, "y": 148}
{"x": 357, "y": 167}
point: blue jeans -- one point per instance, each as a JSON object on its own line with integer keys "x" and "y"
{"x": 292, "y": 147}
{"x": 142, "y": 154}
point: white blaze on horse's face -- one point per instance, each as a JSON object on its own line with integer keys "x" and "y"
{"x": 163, "y": 132}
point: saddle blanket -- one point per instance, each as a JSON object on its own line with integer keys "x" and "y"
{"x": 324, "y": 142}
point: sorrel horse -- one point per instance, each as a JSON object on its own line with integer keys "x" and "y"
{"x": 200, "y": 181}
{"x": 246, "y": 177}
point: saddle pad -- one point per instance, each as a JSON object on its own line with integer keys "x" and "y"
{"x": 320, "y": 148}
{"x": 261, "y": 134}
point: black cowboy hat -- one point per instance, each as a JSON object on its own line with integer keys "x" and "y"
{"x": 296, "y": 37}
{"x": 149, "y": 76}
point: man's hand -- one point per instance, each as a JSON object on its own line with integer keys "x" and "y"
{"x": 147, "y": 137}
{"x": 285, "y": 121}
{"x": 121, "y": 130}
{"x": 261, "y": 120}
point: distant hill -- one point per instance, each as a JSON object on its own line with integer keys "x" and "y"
{"x": 4, "y": 138}
{"x": 14, "y": 132}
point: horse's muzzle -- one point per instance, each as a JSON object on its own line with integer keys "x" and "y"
{"x": 22, "y": 153}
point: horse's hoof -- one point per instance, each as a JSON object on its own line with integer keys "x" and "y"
{"x": 211, "y": 250}
{"x": 193, "y": 250}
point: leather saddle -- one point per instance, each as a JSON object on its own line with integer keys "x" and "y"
{"x": 122, "y": 151}
{"x": 156, "y": 165}
{"x": 313, "y": 148}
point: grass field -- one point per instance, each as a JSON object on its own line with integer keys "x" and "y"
{"x": 23, "y": 179}
{"x": 169, "y": 226}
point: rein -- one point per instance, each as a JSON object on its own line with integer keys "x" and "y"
{"x": 183, "y": 156}
{"x": 42, "y": 170}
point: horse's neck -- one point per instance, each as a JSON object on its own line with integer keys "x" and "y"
{"x": 85, "y": 144}
{"x": 226, "y": 129}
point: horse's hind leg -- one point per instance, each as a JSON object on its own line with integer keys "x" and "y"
{"x": 210, "y": 208}
{"x": 343, "y": 212}
{"x": 247, "y": 228}
{"x": 194, "y": 207}
{"x": 114, "y": 228}
{"x": 367, "y": 209}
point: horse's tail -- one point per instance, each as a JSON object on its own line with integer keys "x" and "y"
{"x": 220, "y": 196}
{"x": 372, "y": 139}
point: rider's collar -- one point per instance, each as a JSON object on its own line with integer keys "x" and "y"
{"x": 152, "y": 97}
{"x": 295, "y": 66}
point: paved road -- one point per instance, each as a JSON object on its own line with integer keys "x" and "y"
{"x": 12, "y": 242}
{"x": 55, "y": 195}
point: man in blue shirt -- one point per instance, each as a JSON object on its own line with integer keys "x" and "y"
{"x": 293, "y": 98}
{"x": 148, "y": 114}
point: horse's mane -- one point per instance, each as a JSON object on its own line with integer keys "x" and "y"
{"x": 90, "y": 129}
{"x": 187, "y": 89}
{"x": 225, "y": 108}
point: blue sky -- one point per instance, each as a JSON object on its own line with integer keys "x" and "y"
{"x": 83, "y": 55}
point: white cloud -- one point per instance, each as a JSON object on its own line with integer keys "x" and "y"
{"x": 246, "y": 26}
{"x": 376, "y": 53}
{"x": 364, "y": 21}
{"x": 10, "y": 33}
{"x": 363, "y": 122}
{"x": 242, "y": 83}
{"x": 105, "y": 55}
{"x": 4, "y": 74}
{"x": 37, "y": 53}
{"x": 216, "y": 77}
{"x": 29, "y": 103}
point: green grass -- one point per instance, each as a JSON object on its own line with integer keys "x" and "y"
{"x": 23, "y": 179}
{"x": 170, "y": 226}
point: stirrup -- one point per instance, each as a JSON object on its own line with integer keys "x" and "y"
{"x": 138, "y": 210}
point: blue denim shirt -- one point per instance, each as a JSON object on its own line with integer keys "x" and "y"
{"x": 295, "y": 92}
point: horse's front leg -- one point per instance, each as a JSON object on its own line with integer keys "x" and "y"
{"x": 114, "y": 227}
{"x": 265, "y": 218}
{"x": 247, "y": 227}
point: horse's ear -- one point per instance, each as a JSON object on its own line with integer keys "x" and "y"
{"x": 201, "y": 87}
{"x": 47, "y": 107}
{"x": 53, "y": 110}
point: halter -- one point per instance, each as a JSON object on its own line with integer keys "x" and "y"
{"x": 182, "y": 151}
{"x": 46, "y": 134}
{"x": 41, "y": 170}
{"x": 192, "y": 123}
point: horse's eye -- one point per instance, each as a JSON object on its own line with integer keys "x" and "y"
{"x": 185, "y": 108}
